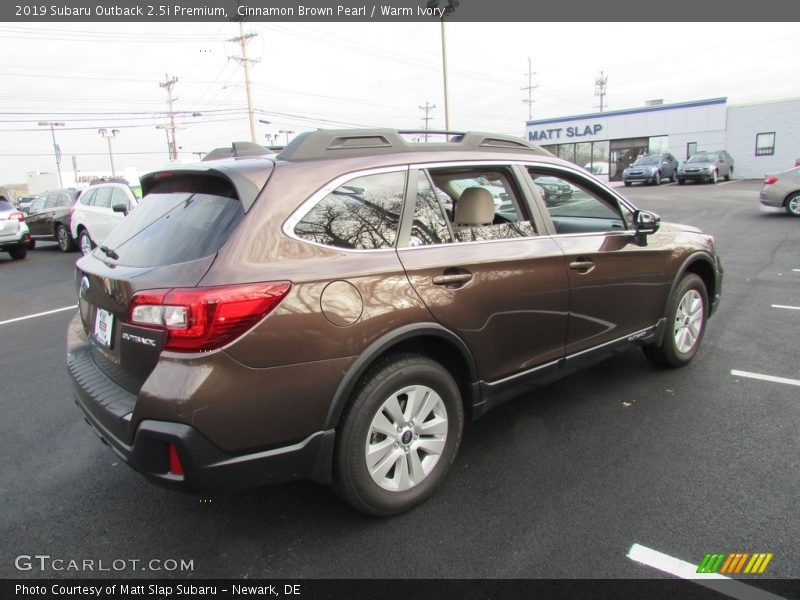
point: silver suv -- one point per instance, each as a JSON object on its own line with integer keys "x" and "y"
{"x": 706, "y": 166}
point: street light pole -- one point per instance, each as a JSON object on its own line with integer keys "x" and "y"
{"x": 56, "y": 149}
{"x": 109, "y": 136}
{"x": 448, "y": 10}
{"x": 444, "y": 77}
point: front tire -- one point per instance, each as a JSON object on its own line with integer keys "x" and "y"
{"x": 793, "y": 205}
{"x": 657, "y": 178}
{"x": 400, "y": 434}
{"x": 85, "y": 242}
{"x": 681, "y": 181}
{"x": 31, "y": 244}
{"x": 627, "y": 184}
{"x": 713, "y": 179}
{"x": 687, "y": 312}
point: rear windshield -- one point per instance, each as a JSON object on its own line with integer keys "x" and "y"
{"x": 169, "y": 227}
{"x": 6, "y": 205}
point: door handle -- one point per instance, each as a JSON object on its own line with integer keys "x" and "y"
{"x": 582, "y": 266}
{"x": 455, "y": 280}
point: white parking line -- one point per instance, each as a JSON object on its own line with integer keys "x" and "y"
{"x": 786, "y": 307}
{"x": 796, "y": 270}
{"x": 727, "y": 182}
{"x": 685, "y": 570}
{"x": 737, "y": 373}
{"x": 41, "y": 314}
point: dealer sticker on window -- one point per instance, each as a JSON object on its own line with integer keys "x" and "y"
{"x": 103, "y": 326}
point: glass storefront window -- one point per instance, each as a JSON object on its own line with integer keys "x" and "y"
{"x": 567, "y": 152}
{"x": 583, "y": 154}
{"x": 600, "y": 158}
{"x": 658, "y": 145}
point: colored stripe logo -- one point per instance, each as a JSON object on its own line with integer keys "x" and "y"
{"x": 735, "y": 563}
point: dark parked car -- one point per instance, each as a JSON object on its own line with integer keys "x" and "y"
{"x": 651, "y": 168}
{"x": 324, "y": 314}
{"x": 24, "y": 203}
{"x": 50, "y": 216}
{"x": 706, "y": 166}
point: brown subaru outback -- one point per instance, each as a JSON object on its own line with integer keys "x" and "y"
{"x": 336, "y": 311}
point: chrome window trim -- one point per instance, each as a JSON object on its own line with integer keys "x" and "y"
{"x": 301, "y": 211}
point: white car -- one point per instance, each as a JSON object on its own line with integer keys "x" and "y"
{"x": 100, "y": 208}
{"x": 14, "y": 235}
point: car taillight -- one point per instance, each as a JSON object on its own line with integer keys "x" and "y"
{"x": 770, "y": 180}
{"x": 16, "y": 215}
{"x": 202, "y": 319}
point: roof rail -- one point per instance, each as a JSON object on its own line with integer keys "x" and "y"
{"x": 236, "y": 150}
{"x": 339, "y": 143}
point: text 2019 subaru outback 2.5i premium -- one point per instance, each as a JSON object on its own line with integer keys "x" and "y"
{"x": 336, "y": 311}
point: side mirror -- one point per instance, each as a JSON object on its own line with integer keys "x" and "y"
{"x": 647, "y": 223}
{"x": 121, "y": 208}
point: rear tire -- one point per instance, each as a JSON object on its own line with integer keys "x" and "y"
{"x": 379, "y": 470}
{"x": 18, "y": 252}
{"x": 793, "y": 205}
{"x": 64, "y": 239}
{"x": 687, "y": 312}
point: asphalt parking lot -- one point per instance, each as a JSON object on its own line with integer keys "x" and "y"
{"x": 559, "y": 483}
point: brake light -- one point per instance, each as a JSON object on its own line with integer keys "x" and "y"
{"x": 770, "y": 180}
{"x": 16, "y": 215}
{"x": 202, "y": 319}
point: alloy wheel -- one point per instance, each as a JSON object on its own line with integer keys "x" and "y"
{"x": 688, "y": 321}
{"x": 406, "y": 438}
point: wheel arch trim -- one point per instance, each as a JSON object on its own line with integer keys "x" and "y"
{"x": 379, "y": 347}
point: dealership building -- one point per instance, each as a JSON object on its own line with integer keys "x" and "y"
{"x": 762, "y": 138}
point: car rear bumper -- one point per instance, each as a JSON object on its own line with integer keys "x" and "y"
{"x": 205, "y": 466}
{"x": 144, "y": 444}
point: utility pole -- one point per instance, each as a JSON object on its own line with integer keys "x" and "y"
{"x": 427, "y": 108}
{"x": 530, "y": 87}
{"x": 600, "y": 88}
{"x": 56, "y": 148}
{"x": 243, "y": 40}
{"x": 168, "y": 84}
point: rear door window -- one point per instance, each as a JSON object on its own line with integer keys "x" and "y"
{"x": 182, "y": 220}
{"x": 103, "y": 197}
{"x": 87, "y": 197}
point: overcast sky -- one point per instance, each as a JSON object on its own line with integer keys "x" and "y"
{"x": 311, "y": 75}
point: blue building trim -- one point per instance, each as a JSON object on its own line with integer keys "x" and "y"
{"x": 631, "y": 111}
